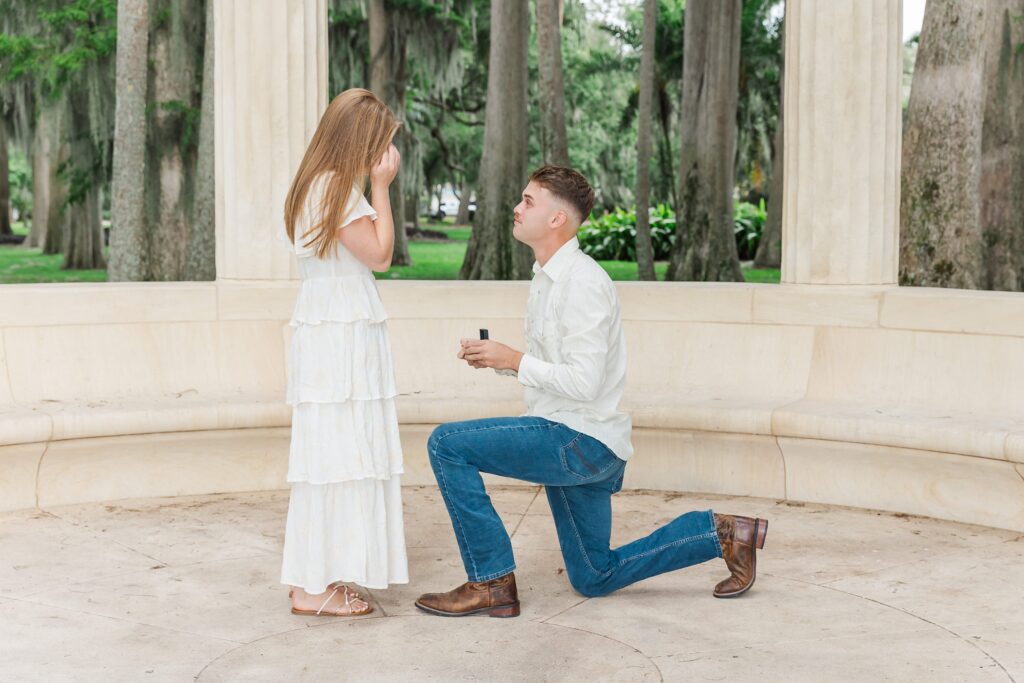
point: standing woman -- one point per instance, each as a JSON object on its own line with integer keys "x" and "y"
{"x": 345, "y": 512}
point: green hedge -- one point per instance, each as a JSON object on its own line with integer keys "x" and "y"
{"x": 613, "y": 235}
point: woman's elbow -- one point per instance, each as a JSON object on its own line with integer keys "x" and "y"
{"x": 382, "y": 265}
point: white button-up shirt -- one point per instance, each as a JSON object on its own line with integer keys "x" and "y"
{"x": 574, "y": 369}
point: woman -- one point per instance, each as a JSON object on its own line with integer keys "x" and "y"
{"x": 345, "y": 511}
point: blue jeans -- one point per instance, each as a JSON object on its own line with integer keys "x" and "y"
{"x": 580, "y": 475}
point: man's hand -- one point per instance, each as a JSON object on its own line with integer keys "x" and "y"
{"x": 488, "y": 353}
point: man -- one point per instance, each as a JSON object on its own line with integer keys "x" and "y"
{"x": 573, "y": 439}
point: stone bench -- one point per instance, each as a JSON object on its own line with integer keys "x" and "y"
{"x": 897, "y": 399}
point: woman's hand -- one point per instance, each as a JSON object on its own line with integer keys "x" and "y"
{"x": 385, "y": 170}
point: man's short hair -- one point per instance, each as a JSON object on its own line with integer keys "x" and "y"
{"x": 567, "y": 184}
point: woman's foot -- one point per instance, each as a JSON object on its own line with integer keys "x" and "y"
{"x": 337, "y": 601}
{"x": 331, "y": 586}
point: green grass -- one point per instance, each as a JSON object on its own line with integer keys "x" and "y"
{"x": 442, "y": 260}
{"x": 431, "y": 261}
{"x": 25, "y": 266}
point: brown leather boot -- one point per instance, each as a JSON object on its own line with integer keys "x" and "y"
{"x": 497, "y": 597}
{"x": 741, "y": 538}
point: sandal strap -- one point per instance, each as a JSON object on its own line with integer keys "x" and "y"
{"x": 333, "y": 592}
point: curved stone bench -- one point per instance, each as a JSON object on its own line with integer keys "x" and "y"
{"x": 897, "y": 399}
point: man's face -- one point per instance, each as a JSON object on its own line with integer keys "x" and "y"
{"x": 536, "y": 216}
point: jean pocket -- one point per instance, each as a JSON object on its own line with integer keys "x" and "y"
{"x": 586, "y": 458}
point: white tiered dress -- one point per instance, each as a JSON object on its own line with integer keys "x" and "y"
{"x": 345, "y": 512}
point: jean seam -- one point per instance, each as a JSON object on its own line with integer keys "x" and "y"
{"x": 495, "y": 575}
{"x": 455, "y": 514}
{"x": 551, "y": 425}
{"x": 718, "y": 541}
{"x": 579, "y": 539}
{"x": 582, "y": 477}
{"x": 681, "y": 541}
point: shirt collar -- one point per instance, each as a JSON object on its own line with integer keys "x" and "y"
{"x": 559, "y": 262}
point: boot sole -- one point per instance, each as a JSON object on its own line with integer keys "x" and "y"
{"x": 499, "y": 612}
{"x": 760, "y": 534}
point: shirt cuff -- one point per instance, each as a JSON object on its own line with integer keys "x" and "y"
{"x": 533, "y": 371}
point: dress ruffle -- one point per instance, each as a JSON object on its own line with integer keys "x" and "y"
{"x": 350, "y": 532}
{"x": 337, "y": 442}
{"x": 338, "y": 299}
{"x": 334, "y": 362}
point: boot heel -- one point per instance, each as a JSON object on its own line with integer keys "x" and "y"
{"x": 761, "y": 533}
{"x": 505, "y": 611}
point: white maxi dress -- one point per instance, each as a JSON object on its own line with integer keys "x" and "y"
{"x": 345, "y": 461}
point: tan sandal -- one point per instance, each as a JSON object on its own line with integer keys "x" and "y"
{"x": 348, "y": 606}
{"x": 336, "y": 585}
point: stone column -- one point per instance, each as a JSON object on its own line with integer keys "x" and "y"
{"x": 270, "y": 89}
{"x": 840, "y": 209}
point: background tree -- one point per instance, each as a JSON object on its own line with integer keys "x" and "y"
{"x": 769, "y": 249}
{"x": 200, "y": 251}
{"x": 493, "y": 254}
{"x": 387, "y": 80}
{"x": 5, "y": 185}
{"x": 128, "y": 243}
{"x": 554, "y": 142}
{"x": 941, "y": 242}
{"x": 62, "y": 53}
{"x": 1002, "y": 148}
{"x": 644, "y": 248}
{"x": 705, "y": 248}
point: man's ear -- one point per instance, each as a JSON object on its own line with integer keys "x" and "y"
{"x": 559, "y": 220}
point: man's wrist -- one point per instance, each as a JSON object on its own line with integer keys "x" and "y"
{"x": 517, "y": 358}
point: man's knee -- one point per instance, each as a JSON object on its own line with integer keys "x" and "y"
{"x": 437, "y": 437}
{"x": 588, "y": 584}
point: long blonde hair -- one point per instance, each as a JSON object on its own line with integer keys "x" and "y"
{"x": 352, "y": 135}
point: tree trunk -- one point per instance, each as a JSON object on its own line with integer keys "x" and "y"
{"x": 412, "y": 206}
{"x": 493, "y": 253}
{"x": 705, "y": 247}
{"x": 462, "y": 218}
{"x": 644, "y": 248}
{"x": 769, "y": 251}
{"x": 666, "y": 186}
{"x": 83, "y": 235}
{"x": 128, "y": 201}
{"x": 554, "y": 143}
{"x": 941, "y": 242}
{"x": 200, "y": 254}
{"x": 83, "y": 230}
{"x": 1002, "y": 159}
{"x": 387, "y": 80}
{"x": 48, "y": 190}
{"x": 175, "y": 49}
{"x": 5, "y": 183}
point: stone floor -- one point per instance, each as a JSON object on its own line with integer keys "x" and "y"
{"x": 186, "y": 588}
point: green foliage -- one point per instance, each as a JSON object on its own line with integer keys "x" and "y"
{"x": 161, "y": 18}
{"x": 20, "y": 176}
{"x": 62, "y": 43}
{"x": 188, "y": 118}
{"x": 748, "y": 225}
{"x": 613, "y": 235}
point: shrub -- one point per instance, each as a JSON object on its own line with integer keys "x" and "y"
{"x": 612, "y": 236}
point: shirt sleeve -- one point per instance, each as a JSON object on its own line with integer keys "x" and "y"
{"x": 585, "y": 326}
{"x": 358, "y": 207}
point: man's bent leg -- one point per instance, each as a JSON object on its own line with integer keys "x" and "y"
{"x": 525, "y": 448}
{"x": 583, "y": 520}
